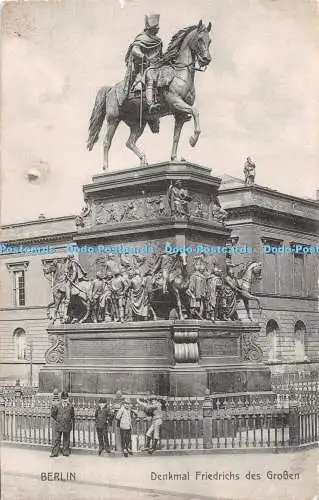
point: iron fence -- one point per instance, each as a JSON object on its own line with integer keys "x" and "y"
{"x": 238, "y": 421}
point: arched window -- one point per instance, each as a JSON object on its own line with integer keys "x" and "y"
{"x": 19, "y": 336}
{"x": 300, "y": 333}
{"x": 272, "y": 335}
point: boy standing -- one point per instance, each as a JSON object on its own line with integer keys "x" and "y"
{"x": 153, "y": 409}
{"x": 63, "y": 415}
{"x": 124, "y": 417}
{"x": 102, "y": 418}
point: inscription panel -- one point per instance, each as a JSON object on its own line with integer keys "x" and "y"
{"x": 213, "y": 347}
{"x": 118, "y": 348}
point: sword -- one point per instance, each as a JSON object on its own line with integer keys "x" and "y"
{"x": 141, "y": 97}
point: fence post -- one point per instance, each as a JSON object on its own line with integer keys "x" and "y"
{"x": 118, "y": 400}
{"x": 55, "y": 402}
{"x": 2, "y": 419}
{"x": 207, "y": 421}
{"x": 294, "y": 427}
{"x": 18, "y": 389}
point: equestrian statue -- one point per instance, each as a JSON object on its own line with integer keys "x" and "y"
{"x": 156, "y": 84}
{"x": 71, "y": 291}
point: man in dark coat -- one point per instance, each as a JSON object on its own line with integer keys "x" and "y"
{"x": 103, "y": 415}
{"x": 63, "y": 415}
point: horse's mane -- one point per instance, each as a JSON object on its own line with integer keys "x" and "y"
{"x": 174, "y": 45}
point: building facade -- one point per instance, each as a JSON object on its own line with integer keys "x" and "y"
{"x": 25, "y": 293}
{"x": 270, "y": 223}
{"x": 259, "y": 217}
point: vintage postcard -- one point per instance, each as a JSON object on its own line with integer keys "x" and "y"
{"x": 159, "y": 249}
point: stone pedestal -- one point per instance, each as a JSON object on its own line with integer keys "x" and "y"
{"x": 132, "y": 208}
{"x": 141, "y": 357}
{"x": 166, "y": 356}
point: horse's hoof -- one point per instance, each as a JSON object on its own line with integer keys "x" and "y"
{"x": 193, "y": 141}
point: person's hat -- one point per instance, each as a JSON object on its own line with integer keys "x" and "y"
{"x": 64, "y": 395}
{"x": 127, "y": 401}
{"x": 102, "y": 400}
{"x": 152, "y": 20}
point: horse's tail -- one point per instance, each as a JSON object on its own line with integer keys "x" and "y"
{"x": 97, "y": 117}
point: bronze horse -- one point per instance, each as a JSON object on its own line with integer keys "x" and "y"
{"x": 187, "y": 53}
{"x": 177, "y": 282}
{"x": 230, "y": 295}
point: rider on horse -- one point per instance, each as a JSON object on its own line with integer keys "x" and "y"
{"x": 72, "y": 275}
{"x": 141, "y": 60}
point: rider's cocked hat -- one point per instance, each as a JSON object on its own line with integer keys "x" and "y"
{"x": 152, "y": 20}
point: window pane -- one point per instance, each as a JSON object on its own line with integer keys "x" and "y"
{"x": 19, "y": 288}
{"x": 298, "y": 274}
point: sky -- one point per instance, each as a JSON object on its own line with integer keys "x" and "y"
{"x": 258, "y": 98}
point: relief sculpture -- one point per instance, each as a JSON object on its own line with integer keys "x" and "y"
{"x": 129, "y": 287}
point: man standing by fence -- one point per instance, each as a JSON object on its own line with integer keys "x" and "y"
{"x": 63, "y": 415}
{"x": 102, "y": 418}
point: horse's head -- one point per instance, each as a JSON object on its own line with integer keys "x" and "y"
{"x": 183, "y": 258}
{"x": 200, "y": 42}
{"x": 250, "y": 272}
{"x": 256, "y": 269}
{"x": 50, "y": 268}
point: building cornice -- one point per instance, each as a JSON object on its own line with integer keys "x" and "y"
{"x": 268, "y": 191}
{"x": 37, "y": 222}
{"x": 47, "y": 238}
{"x": 254, "y": 211}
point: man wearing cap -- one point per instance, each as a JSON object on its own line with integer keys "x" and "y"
{"x": 102, "y": 418}
{"x": 141, "y": 58}
{"x": 154, "y": 409}
{"x": 63, "y": 415}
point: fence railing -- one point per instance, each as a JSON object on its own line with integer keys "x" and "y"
{"x": 225, "y": 422}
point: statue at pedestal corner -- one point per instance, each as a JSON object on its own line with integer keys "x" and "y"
{"x": 70, "y": 291}
{"x": 217, "y": 212}
{"x": 238, "y": 287}
{"x": 85, "y": 212}
{"x": 179, "y": 200}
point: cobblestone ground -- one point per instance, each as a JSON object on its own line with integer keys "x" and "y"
{"x": 117, "y": 478}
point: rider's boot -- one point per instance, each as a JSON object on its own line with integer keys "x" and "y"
{"x": 149, "y": 92}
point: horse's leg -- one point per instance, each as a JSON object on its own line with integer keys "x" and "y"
{"x": 52, "y": 303}
{"x": 154, "y": 314}
{"x": 246, "y": 304}
{"x": 112, "y": 124}
{"x": 86, "y": 305}
{"x": 179, "y": 122}
{"x": 178, "y": 301}
{"x": 136, "y": 132}
{"x": 57, "y": 303}
{"x": 177, "y": 104}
